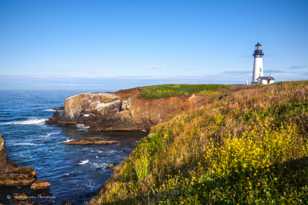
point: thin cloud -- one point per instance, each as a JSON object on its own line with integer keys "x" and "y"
{"x": 298, "y": 67}
{"x": 276, "y": 71}
{"x": 155, "y": 67}
{"x": 237, "y": 72}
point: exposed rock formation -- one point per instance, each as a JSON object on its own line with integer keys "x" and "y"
{"x": 40, "y": 185}
{"x": 122, "y": 110}
{"x": 15, "y": 182}
{"x": 3, "y": 160}
{"x": 91, "y": 141}
{"x": 101, "y": 103}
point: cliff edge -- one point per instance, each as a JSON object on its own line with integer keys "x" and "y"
{"x": 130, "y": 110}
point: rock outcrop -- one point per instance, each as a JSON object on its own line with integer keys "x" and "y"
{"x": 92, "y": 141}
{"x": 40, "y": 185}
{"x": 121, "y": 111}
{"x": 100, "y": 103}
{"x": 3, "y": 160}
{"x": 16, "y": 181}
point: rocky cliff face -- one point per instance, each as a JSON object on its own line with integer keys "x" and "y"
{"x": 3, "y": 159}
{"x": 121, "y": 111}
{"x": 17, "y": 184}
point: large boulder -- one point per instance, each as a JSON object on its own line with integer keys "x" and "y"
{"x": 100, "y": 103}
{"x": 98, "y": 111}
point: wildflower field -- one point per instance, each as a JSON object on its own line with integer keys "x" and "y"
{"x": 249, "y": 146}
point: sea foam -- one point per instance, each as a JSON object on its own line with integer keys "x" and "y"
{"x": 83, "y": 162}
{"x": 50, "y": 134}
{"x": 50, "y": 110}
{"x": 25, "y": 144}
{"x": 82, "y": 126}
{"x": 30, "y": 121}
{"x": 68, "y": 140}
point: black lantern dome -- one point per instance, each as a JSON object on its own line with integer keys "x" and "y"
{"x": 258, "y": 51}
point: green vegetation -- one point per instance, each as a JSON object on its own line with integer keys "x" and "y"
{"x": 249, "y": 147}
{"x": 169, "y": 90}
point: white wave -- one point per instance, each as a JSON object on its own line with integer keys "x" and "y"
{"x": 82, "y": 126}
{"x": 30, "y": 121}
{"x": 83, "y": 162}
{"x": 50, "y": 134}
{"x": 111, "y": 151}
{"x": 50, "y": 110}
{"x": 68, "y": 140}
{"x": 25, "y": 144}
{"x": 66, "y": 174}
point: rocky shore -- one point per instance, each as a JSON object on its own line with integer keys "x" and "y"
{"x": 19, "y": 185}
{"x": 121, "y": 111}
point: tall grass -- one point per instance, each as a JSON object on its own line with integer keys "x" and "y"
{"x": 249, "y": 147}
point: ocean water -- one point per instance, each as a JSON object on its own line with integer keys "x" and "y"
{"x": 76, "y": 172}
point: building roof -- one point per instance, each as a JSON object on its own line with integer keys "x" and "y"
{"x": 258, "y": 44}
{"x": 266, "y": 78}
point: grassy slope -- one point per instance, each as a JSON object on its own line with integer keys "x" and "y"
{"x": 250, "y": 146}
{"x": 168, "y": 90}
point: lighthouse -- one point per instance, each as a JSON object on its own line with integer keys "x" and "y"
{"x": 257, "y": 72}
{"x": 257, "y": 63}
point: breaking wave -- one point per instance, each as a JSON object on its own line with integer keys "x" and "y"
{"x": 83, "y": 162}
{"x": 30, "y": 121}
{"x": 68, "y": 140}
{"x": 50, "y": 134}
{"x": 82, "y": 127}
{"x": 50, "y": 110}
{"x": 25, "y": 144}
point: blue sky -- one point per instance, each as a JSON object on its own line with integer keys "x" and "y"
{"x": 170, "y": 39}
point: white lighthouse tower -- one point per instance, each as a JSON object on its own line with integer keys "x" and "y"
{"x": 257, "y": 64}
{"x": 257, "y": 72}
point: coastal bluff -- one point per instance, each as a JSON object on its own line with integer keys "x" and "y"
{"x": 124, "y": 110}
{"x": 244, "y": 146}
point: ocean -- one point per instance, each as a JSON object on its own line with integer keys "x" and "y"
{"x": 75, "y": 172}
